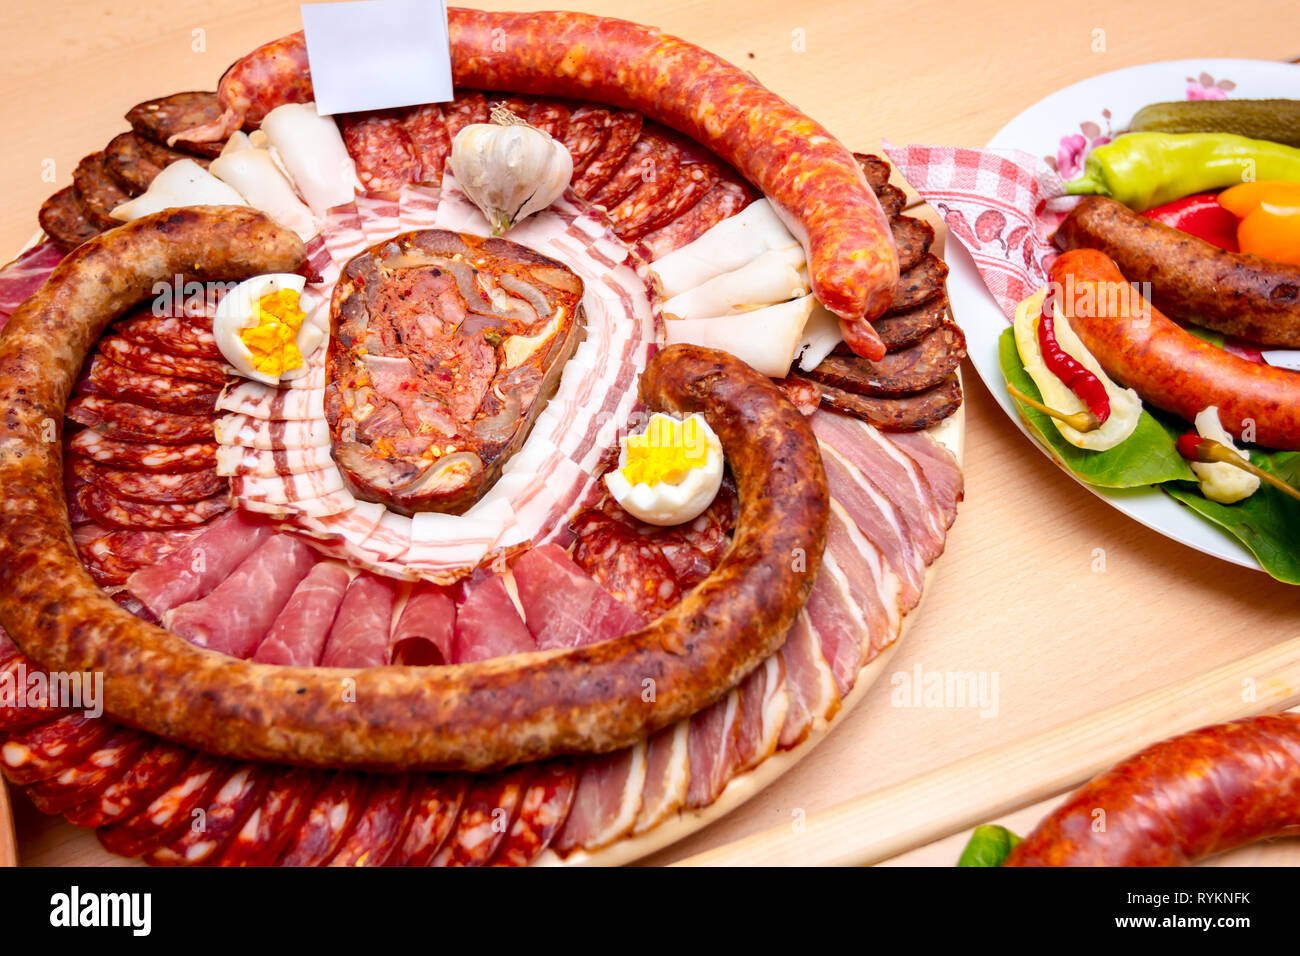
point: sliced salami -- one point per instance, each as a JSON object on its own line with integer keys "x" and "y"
{"x": 913, "y": 238}
{"x": 116, "y": 512}
{"x": 47, "y": 749}
{"x": 380, "y": 825}
{"x": 903, "y": 372}
{"x": 641, "y": 184}
{"x": 901, "y": 330}
{"x": 588, "y": 127}
{"x": 217, "y": 820}
{"x": 274, "y": 821}
{"x": 134, "y": 790}
{"x": 465, "y": 109}
{"x": 127, "y": 163}
{"x": 382, "y": 150}
{"x": 892, "y": 200}
{"x": 725, "y": 199}
{"x": 130, "y": 422}
{"x": 98, "y": 191}
{"x": 143, "y": 456}
{"x": 180, "y": 336}
{"x": 184, "y": 396}
{"x": 63, "y": 220}
{"x": 96, "y": 771}
{"x": 110, "y": 557}
{"x": 157, "y": 487}
{"x": 142, "y": 358}
{"x": 874, "y": 168}
{"x": 170, "y": 812}
{"x": 163, "y": 156}
{"x": 486, "y": 817}
{"x": 167, "y": 116}
{"x": 427, "y": 130}
{"x": 919, "y": 284}
{"x": 542, "y": 811}
{"x": 629, "y": 567}
{"x": 330, "y": 819}
{"x": 615, "y": 170}
{"x": 638, "y": 215}
{"x": 435, "y": 807}
{"x": 550, "y": 116}
{"x": 907, "y": 414}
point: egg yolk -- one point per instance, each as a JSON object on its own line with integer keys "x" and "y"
{"x": 273, "y": 340}
{"x": 666, "y": 452}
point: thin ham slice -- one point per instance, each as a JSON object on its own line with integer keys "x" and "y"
{"x": 488, "y": 623}
{"x": 814, "y": 698}
{"x": 872, "y": 586}
{"x": 426, "y": 631}
{"x": 193, "y": 571}
{"x": 607, "y": 801}
{"x": 938, "y": 465}
{"x": 838, "y": 622}
{"x": 236, "y": 615}
{"x": 667, "y": 774}
{"x": 360, "y": 635}
{"x": 714, "y": 749}
{"x": 563, "y": 605}
{"x": 298, "y": 635}
{"x": 763, "y": 705}
{"x": 20, "y": 279}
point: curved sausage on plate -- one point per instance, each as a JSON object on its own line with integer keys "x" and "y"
{"x": 819, "y": 188}
{"x": 1179, "y": 801}
{"x": 489, "y": 713}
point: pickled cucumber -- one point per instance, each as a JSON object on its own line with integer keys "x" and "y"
{"x": 1275, "y": 120}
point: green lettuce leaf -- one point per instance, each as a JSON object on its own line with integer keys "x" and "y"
{"x": 1147, "y": 457}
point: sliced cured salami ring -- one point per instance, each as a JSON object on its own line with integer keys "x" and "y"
{"x": 435, "y": 808}
{"x": 380, "y": 825}
{"x": 330, "y": 819}
{"x": 275, "y": 821}
{"x": 725, "y": 199}
{"x": 466, "y": 108}
{"x": 165, "y": 117}
{"x": 22, "y": 711}
{"x": 486, "y": 816}
{"x": 97, "y": 770}
{"x": 875, "y": 169}
{"x": 907, "y": 414}
{"x": 47, "y": 749}
{"x": 585, "y": 135}
{"x": 217, "y": 820}
{"x": 384, "y": 154}
{"x": 653, "y": 170}
{"x": 63, "y": 220}
{"x": 114, "y": 512}
{"x": 111, "y": 557}
{"x": 157, "y": 487}
{"x": 119, "y": 419}
{"x": 134, "y": 790}
{"x": 142, "y": 358}
{"x": 170, "y": 812}
{"x": 913, "y": 369}
{"x": 892, "y": 200}
{"x": 552, "y": 116}
{"x": 633, "y": 570}
{"x": 902, "y": 330}
{"x": 98, "y": 191}
{"x": 647, "y": 209}
{"x": 913, "y": 237}
{"x": 919, "y": 284}
{"x": 184, "y": 396}
{"x": 427, "y": 130}
{"x": 127, "y": 163}
{"x": 180, "y": 336}
{"x": 622, "y": 134}
{"x": 542, "y": 811}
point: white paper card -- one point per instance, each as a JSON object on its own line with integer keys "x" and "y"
{"x": 374, "y": 54}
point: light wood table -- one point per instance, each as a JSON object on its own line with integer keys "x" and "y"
{"x": 1016, "y": 595}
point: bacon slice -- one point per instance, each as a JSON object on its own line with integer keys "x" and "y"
{"x": 939, "y": 466}
{"x": 714, "y": 749}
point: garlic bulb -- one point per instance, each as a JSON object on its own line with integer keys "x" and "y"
{"x": 509, "y": 169}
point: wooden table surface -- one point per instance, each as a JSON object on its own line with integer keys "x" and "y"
{"x": 1021, "y": 592}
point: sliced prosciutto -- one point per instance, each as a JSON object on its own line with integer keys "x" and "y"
{"x": 713, "y": 749}
{"x": 813, "y": 697}
{"x": 298, "y": 635}
{"x": 236, "y": 615}
{"x": 488, "y": 623}
{"x": 563, "y": 605}
{"x": 191, "y": 572}
{"x": 667, "y": 774}
{"x": 359, "y": 637}
{"x": 939, "y": 466}
{"x": 607, "y": 801}
{"x": 426, "y": 631}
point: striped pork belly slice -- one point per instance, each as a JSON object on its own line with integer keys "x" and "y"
{"x": 271, "y": 435}
{"x": 894, "y": 473}
{"x": 192, "y": 571}
{"x": 425, "y": 634}
{"x": 939, "y": 466}
{"x": 360, "y": 635}
{"x": 418, "y": 207}
{"x": 222, "y": 815}
{"x": 333, "y": 813}
{"x": 380, "y": 213}
{"x": 879, "y": 522}
{"x": 488, "y": 624}
{"x": 381, "y": 824}
{"x": 667, "y": 775}
{"x": 297, "y": 637}
{"x": 543, "y": 808}
{"x": 563, "y": 606}
{"x": 235, "y": 460}
{"x": 607, "y": 801}
{"x": 814, "y": 698}
{"x": 275, "y": 820}
{"x": 236, "y": 615}
{"x": 343, "y": 234}
{"x": 446, "y": 347}
{"x": 273, "y": 404}
{"x": 713, "y": 749}
{"x": 435, "y": 807}
{"x": 487, "y": 813}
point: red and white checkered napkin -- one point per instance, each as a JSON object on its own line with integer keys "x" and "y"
{"x": 1003, "y": 204}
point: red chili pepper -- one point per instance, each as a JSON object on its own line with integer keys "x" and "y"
{"x": 1077, "y": 379}
{"x": 1200, "y": 216}
{"x": 1189, "y": 446}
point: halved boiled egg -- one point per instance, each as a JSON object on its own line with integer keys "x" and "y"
{"x": 261, "y": 328}
{"x": 670, "y": 472}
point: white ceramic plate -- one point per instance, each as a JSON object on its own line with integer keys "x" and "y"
{"x": 1039, "y": 130}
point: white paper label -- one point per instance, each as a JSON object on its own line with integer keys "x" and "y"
{"x": 376, "y": 54}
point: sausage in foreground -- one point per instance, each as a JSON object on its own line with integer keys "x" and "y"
{"x": 471, "y": 716}
{"x": 1179, "y": 801}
